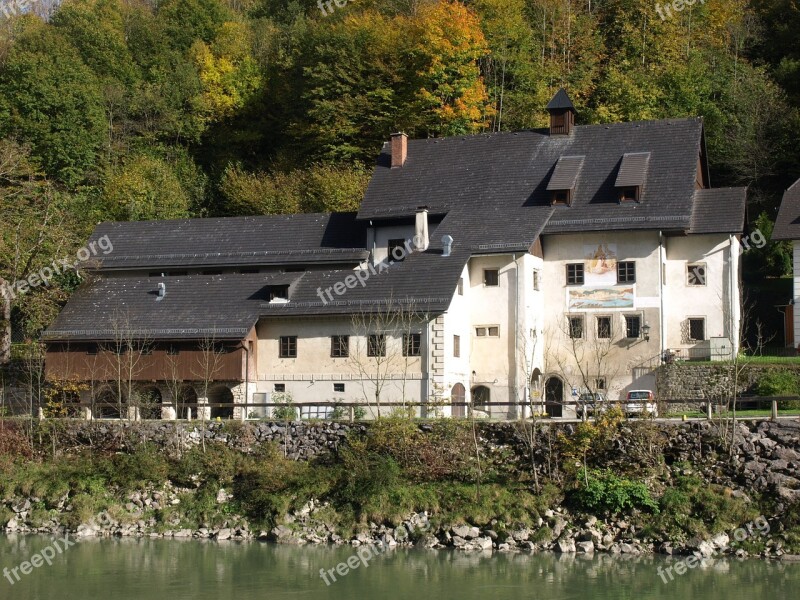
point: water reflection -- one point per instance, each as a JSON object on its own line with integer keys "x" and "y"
{"x": 202, "y": 570}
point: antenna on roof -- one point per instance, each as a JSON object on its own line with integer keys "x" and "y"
{"x": 162, "y": 291}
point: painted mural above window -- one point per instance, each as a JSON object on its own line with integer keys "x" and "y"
{"x": 601, "y": 264}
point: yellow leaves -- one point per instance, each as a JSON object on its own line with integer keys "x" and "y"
{"x": 228, "y": 74}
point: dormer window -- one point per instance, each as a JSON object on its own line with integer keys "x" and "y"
{"x": 632, "y": 176}
{"x": 564, "y": 179}
{"x": 277, "y": 292}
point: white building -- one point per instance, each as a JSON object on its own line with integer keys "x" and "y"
{"x": 492, "y": 269}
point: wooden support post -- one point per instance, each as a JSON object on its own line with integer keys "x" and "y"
{"x": 708, "y": 410}
{"x": 352, "y": 413}
{"x": 774, "y": 410}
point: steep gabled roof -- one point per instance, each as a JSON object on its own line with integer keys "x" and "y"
{"x": 787, "y": 225}
{"x": 271, "y": 239}
{"x": 507, "y": 174}
{"x": 560, "y": 101}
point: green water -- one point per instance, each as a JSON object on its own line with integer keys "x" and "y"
{"x": 194, "y": 570}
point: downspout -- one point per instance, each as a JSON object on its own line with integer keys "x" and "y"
{"x": 516, "y": 327}
{"x": 734, "y": 300}
{"x": 246, "y": 377}
{"x": 661, "y": 317}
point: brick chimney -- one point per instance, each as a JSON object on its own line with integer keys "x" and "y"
{"x": 399, "y": 149}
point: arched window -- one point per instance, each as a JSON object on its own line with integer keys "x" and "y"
{"x": 220, "y": 398}
{"x": 554, "y": 396}
{"x": 481, "y": 397}
{"x": 458, "y": 396}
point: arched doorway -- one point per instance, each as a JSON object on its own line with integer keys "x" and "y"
{"x": 107, "y": 405}
{"x": 149, "y": 399}
{"x": 221, "y": 400}
{"x": 458, "y": 396}
{"x": 481, "y": 397}
{"x": 186, "y": 404}
{"x": 554, "y": 396}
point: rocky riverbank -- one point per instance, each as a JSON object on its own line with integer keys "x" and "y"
{"x": 756, "y": 480}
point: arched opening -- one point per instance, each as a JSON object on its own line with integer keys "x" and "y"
{"x": 107, "y": 405}
{"x": 481, "y": 396}
{"x": 458, "y": 396}
{"x": 554, "y": 397}
{"x": 149, "y": 400}
{"x": 186, "y": 404}
{"x": 221, "y": 400}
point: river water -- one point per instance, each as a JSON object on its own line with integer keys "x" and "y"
{"x": 199, "y": 570}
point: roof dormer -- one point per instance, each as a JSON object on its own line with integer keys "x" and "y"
{"x": 632, "y": 176}
{"x": 562, "y": 114}
{"x": 564, "y": 179}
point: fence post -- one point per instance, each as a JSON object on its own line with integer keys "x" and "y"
{"x": 708, "y": 410}
{"x": 351, "y": 413}
{"x": 774, "y": 410}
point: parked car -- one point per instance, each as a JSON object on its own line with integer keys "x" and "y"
{"x": 640, "y": 402}
{"x": 591, "y": 404}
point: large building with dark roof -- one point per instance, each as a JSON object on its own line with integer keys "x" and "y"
{"x": 787, "y": 227}
{"x": 494, "y": 271}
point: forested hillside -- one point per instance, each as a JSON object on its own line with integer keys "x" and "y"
{"x": 115, "y": 109}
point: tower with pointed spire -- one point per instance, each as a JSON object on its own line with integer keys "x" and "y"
{"x": 562, "y": 113}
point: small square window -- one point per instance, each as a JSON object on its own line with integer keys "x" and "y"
{"x": 279, "y": 388}
{"x": 340, "y": 346}
{"x": 412, "y": 343}
{"x": 604, "y": 327}
{"x": 480, "y": 331}
{"x": 633, "y": 326}
{"x": 376, "y": 345}
{"x": 277, "y": 292}
{"x": 561, "y": 197}
{"x": 461, "y": 286}
{"x": 397, "y": 250}
{"x": 626, "y": 272}
{"x": 600, "y": 383}
{"x": 338, "y": 387}
{"x": 697, "y": 329}
{"x": 536, "y": 279}
{"x": 696, "y": 274}
{"x": 576, "y": 327}
{"x": 491, "y": 277}
{"x": 288, "y": 346}
{"x": 493, "y": 331}
{"x": 575, "y": 274}
{"x": 629, "y": 194}
{"x": 457, "y": 346}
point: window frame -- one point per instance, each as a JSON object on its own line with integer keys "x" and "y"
{"x": 376, "y": 345}
{"x": 290, "y": 348}
{"x": 629, "y": 193}
{"x": 275, "y": 387}
{"x": 537, "y": 280}
{"x": 702, "y": 321}
{"x": 412, "y": 344}
{"x": 628, "y": 266}
{"x": 460, "y": 288}
{"x": 396, "y": 243}
{"x": 337, "y": 385}
{"x": 456, "y": 346}
{"x": 496, "y": 278}
{"x": 639, "y": 320}
{"x": 610, "y": 333}
{"x": 579, "y": 275}
{"x": 703, "y": 277}
{"x": 340, "y": 346}
{"x": 277, "y": 292}
{"x": 571, "y": 330}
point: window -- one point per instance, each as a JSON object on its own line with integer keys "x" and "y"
{"x": 575, "y": 274}
{"x": 491, "y": 277}
{"x": 629, "y": 194}
{"x": 536, "y": 279}
{"x": 604, "y": 327}
{"x": 340, "y": 346}
{"x": 561, "y": 197}
{"x": 316, "y": 412}
{"x": 480, "y": 331}
{"x": 493, "y": 331}
{"x": 338, "y": 387}
{"x": 600, "y": 383}
{"x": 397, "y": 249}
{"x": 411, "y": 344}
{"x": 633, "y": 326}
{"x": 279, "y": 388}
{"x": 696, "y": 274}
{"x": 626, "y": 272}
{"x": 277, "y": 292}
{"x": 457, "y": 346}
{"x": 461, "y": 286}
{"x": 376, "y": 345}
{"x": 288, "y": 344}
{"x": 697, "y": 329}
{"x": 576, "y": 327}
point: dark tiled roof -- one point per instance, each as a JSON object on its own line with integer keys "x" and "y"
{"x": 787, "y": 225}
{"x": 273, "y": 239}
{"x": 507, "y": 174}
{"x": 720, "y": 210}
{"x": 632, "y": 170}
{"x": 560, "y": 101}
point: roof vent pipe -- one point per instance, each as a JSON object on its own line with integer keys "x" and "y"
{"x": 447, "y": 245}
{"x": 421, "y": 238}
{"x": 162, "y": 291}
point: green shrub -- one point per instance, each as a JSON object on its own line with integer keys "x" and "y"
{"x": 601, "y": 490}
